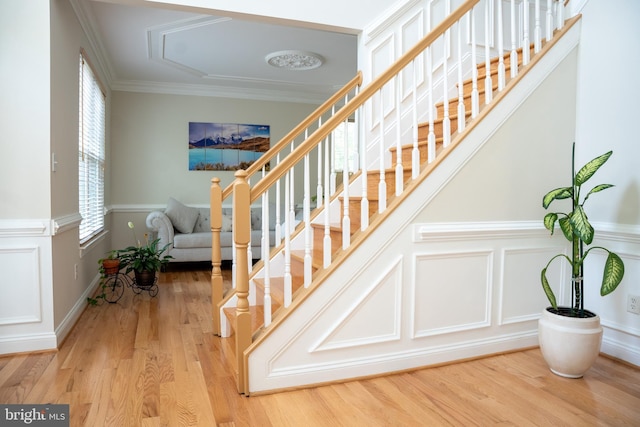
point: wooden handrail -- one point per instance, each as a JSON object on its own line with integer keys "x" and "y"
{"x": 350, "y": 107}
{"x": 258, "y": 164}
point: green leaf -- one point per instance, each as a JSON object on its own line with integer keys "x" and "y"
{"x": 590, "y": 168}
{"x": 597, "y": 189}
{"x": 581, "y": 225}
{"x": 566, "y": 227}
{"x": 557, "y": 194}
{"x": 550, "y": 221}
{"x": 613, "y": 273}
{"x": 547, "y": 289}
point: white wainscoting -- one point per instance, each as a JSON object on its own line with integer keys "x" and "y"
{"x": 431, "y": 293}
{"x": 26, "y": 291}
{"x": 435, "y": 293}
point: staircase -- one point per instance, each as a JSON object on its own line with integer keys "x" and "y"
{"x": 287, "y": 261}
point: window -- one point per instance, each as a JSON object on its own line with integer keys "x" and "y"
{"x": 345, "y": 135}
{"x": 91, "y": 143}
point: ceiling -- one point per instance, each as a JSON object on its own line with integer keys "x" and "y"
{"x": 150, "y": 49}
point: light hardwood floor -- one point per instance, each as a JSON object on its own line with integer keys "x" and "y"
{"x": 154, "y": 362}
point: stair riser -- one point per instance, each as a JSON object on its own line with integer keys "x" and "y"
{"x": 355, "y": 214}
{"x": 318, "y": 242}
{"x": 373, "y": 182}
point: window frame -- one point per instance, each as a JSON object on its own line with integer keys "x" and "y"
{"x": 92, "y": 104}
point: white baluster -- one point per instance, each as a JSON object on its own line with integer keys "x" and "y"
{"x": 446, "y": 120}
{"x": 292, "y": 203}
{"x": 332, "y": 180}
{"x": 326, "y": 242}
{"x": 306, "y": 213}
{"x": 514, "y": 52}
{"x": 399, "y": 167}
{"x": 346, "y": 221}
{"x": 501, "y": 67}
{"x": 526, "y": 42}
{"x": 488, "y": 83}
{"x": 415, "y": 153}
{"x": 264, "y": 237}
{"x": 382, "y": 185}
{"x": 475, "y": 96}
{"x": 560, "y": 14}
{"x": 431, "y": 137}
{"x": 538, "y": 29}
{"x": 364, "y": 204}
{"x": 549, "y": 25}
{"x": 461, "y": 122}
{"x": 319, "y": 191}
{"x": 278, "y": 230}
{"x": 287, "y": 242}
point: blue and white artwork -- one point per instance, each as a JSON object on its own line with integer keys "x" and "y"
{"x": 226, "y": 146}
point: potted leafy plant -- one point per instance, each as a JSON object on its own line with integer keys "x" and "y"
{"x": 583, "y": 347}
{"x": 144, "y": 260}
{"x": 109, "y": 264}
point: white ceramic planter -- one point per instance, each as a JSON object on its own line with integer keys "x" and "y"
{"x": 569, "y": 345}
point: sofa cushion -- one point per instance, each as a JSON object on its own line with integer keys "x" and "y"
{"x": 227, "y": 219}
{"x": 182, "y": 217}
{"x": 203, "y": 224}
{"x": 193, "y": 240}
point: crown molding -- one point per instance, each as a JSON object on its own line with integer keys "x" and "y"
{"x": 219, "y": 91}
{"x": 88, "y": 24}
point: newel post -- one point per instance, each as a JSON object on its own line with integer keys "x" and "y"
{"x": 215, "y": 215}
{"x": 242, "y": 237}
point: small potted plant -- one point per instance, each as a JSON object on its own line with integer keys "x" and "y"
{"x": 570, "y": 337}
{"x": 144, "y": 260}
{"x": 109, "y": 264}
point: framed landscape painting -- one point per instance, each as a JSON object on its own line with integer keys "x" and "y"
{"x": 226, "y": 146}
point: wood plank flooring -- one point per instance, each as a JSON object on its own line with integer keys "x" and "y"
{"x": 154, "y": 362}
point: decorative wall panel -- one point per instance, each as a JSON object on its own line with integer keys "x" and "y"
{"x": 452, "y": 292}
{"x": 373, "y": 318}
{"x": 20, "y": 300}
{"x": 521, "y": 296}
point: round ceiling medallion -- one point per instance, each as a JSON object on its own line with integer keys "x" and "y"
{"x": 294, "y": 60}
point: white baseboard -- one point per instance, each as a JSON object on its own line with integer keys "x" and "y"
{"x": 28, "y": 343}
{"x": 76, "y": 311}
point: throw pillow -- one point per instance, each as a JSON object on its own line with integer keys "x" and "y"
{"x": 182, "y": 217}
{"x": 227, "y": 222}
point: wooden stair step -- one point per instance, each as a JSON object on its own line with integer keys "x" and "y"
{"x": 299, "y": 255}
{"x": 257, "y": 316}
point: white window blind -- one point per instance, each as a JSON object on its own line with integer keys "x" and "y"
{"x": 91, "y": 149}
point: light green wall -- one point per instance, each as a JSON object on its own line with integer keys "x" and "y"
{"x": 525, "y": 158}
{"x": 149, "y": 148}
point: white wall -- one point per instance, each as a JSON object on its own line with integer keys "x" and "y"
{"x": 608, "y": 93}
{"x": 607, "y": 117}
{"x": 25, "y": 78}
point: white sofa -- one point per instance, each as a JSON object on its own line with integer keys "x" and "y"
{"x": 187, "y": 230}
